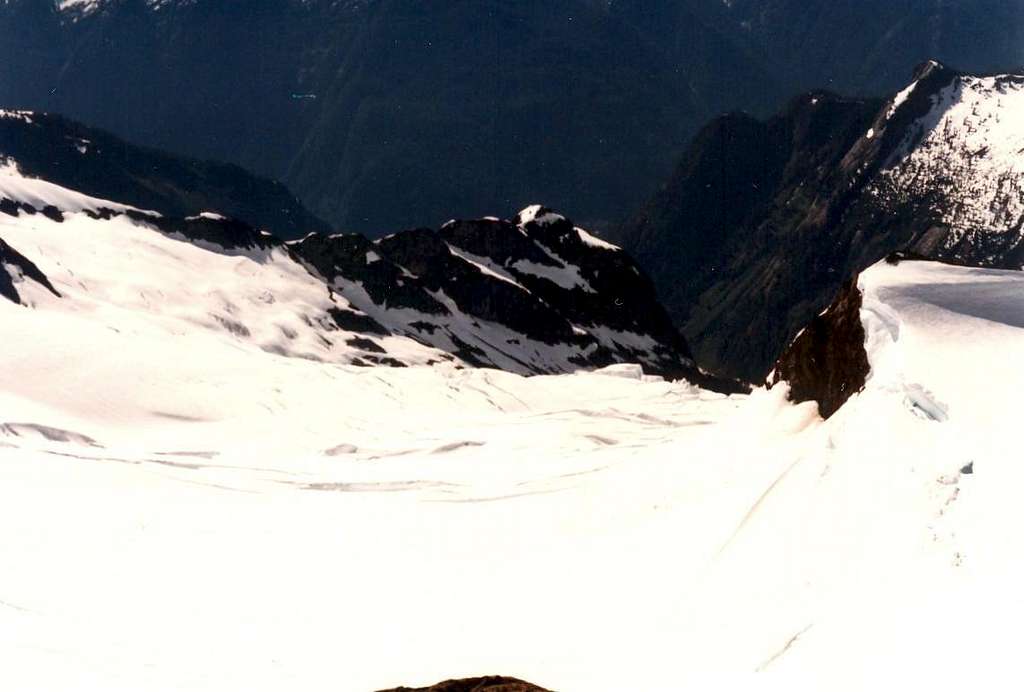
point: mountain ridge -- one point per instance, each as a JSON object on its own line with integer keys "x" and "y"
{"x": 531, "y": 295}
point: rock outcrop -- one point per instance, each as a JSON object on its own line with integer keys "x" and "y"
{"x": 485, "y": 684}
{"x": 827, "y": 362}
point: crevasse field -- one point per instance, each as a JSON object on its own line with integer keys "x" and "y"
{"x": 182, "y": 508}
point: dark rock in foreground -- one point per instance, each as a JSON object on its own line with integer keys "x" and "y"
{"x": 827, "y": 362}
{"x": 486, "y": 684}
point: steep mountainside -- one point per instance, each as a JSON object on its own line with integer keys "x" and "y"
{"x": 699, "y": 39}
{"x": 533, "y": 295}
{"x": 98, "y": 164}
{"x": 378, "y": 113}
{"x": 763, "y": 221}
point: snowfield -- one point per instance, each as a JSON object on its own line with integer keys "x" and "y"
{"x": 189, "y": 506}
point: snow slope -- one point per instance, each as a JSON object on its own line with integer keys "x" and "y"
{"x": 182, "y": 507}
{"x": 118, "y": 275}
{"x": 909, "y": 495}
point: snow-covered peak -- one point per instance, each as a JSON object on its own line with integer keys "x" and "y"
{"x": 538, "y": 214}
{"x": 966, "y": 154}
{"x": 24, "y": 116}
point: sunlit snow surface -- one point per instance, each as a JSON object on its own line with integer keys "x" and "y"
{"x": 186, "y": 506}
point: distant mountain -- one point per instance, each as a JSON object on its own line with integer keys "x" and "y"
{"x": 763, "y": 221}
{"x": 380, "y": 114}
{"x": 101, "y": 165}
{"x": 533, "y": 295}
{"x": 702, "y": 42}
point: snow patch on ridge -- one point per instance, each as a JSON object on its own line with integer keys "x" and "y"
{"x": 486, "y": 266}
{"x": 594, "y": 241}
{"x": 39, "y": 193}
{"x": 25, "y": 116}
{"x": 207, "y": 215}
{"x": 538, "y": 214}
{"x": 567, "y": 276}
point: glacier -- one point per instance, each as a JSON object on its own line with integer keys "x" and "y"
{"x": 185, "y": 504}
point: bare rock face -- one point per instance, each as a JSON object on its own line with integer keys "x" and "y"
{"x": 827, "y": 362}
{"x": 486, "y": 684}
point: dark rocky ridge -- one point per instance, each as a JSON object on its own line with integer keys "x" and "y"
{"x": 827, "y": 363}
{"x": 764, "y": 221}
{"x": 485, "y": 289}
{"x": 485, "y": 684}
{"x": 101, "y": 165}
